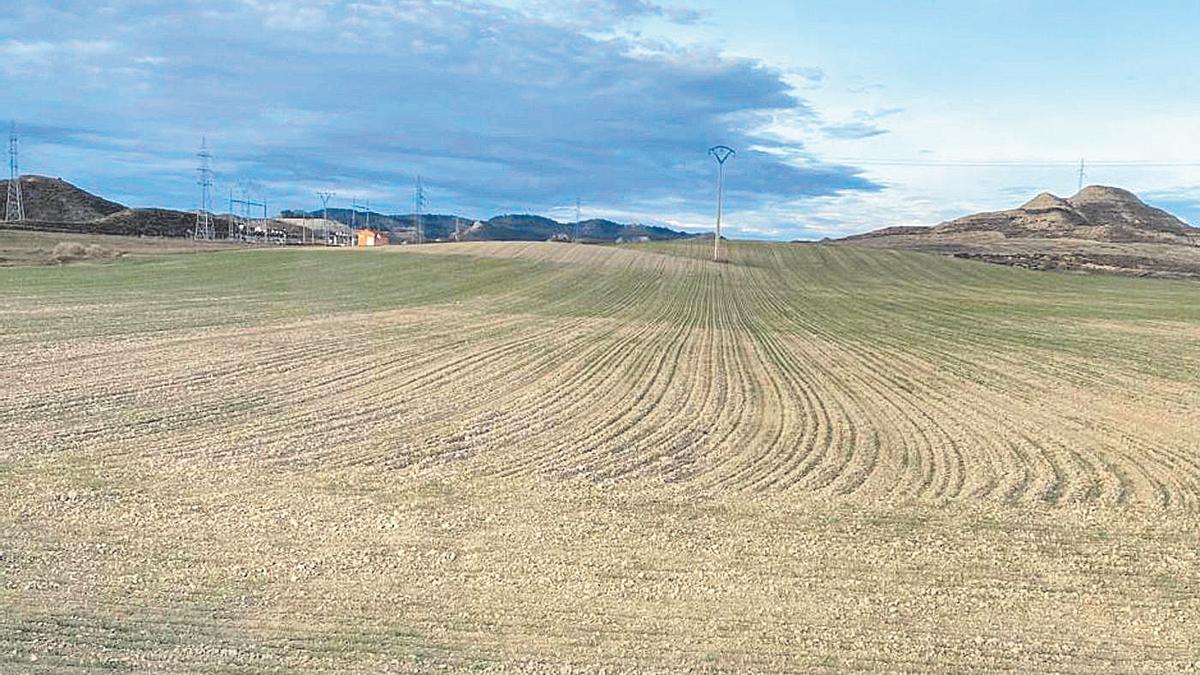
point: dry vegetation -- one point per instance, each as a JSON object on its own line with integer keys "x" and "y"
{"x": 30, "y": 247}
{"x": 555, "y": 457}
{"x": 1170, "y": 261}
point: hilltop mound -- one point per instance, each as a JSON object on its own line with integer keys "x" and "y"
{"x": 1099, "y": 228}
{"x": 54, "y": 204}
{"x": 56, "y": 200}
{"x": 1045, "y": 201}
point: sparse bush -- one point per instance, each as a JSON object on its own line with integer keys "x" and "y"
{"x": 66, "y": 251}
{"x": 98, "y": 251}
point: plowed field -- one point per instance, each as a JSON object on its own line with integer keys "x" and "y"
{"x": 560, "y": 457}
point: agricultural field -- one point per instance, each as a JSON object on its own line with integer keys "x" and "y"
{"x": 34, "y": 247}
{"x": 554, "y": 457}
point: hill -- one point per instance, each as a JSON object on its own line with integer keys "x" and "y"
{"x": 1100, "y": 228}
{"x": 1096, "y": 213}
{"x": 53, "y": 204}
{"x": 55, "y": 200}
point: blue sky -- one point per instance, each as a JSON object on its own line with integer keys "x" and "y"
{"x": 847, "y": 115}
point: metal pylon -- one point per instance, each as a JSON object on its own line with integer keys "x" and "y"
{"x": 204, "y": 221}
{"x": 14, "y": 209}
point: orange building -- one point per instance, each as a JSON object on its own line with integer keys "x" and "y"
{"x": 371, "y": 238}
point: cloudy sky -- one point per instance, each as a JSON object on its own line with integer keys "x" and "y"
{"x": 846, "y": 115}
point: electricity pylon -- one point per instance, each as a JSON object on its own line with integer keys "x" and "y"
{"x": 204, "y": 223}
{"x": 14, "y": 209}
{"x": 720, "y": 153}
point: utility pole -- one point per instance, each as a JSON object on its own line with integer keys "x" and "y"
{"x": 14, "y": 209}
{"x": 720, "y": 153}
{"x": 246, "y": 218}
{"x": 325, "y": 196}
{"x": 204, "y": 223}
{"x": 355, "y": 206}
{"x": 1081, "y": 174}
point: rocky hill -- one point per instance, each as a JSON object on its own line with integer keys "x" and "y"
{"x": 1098, "y": 229}
{"x": 1096, "y": 213}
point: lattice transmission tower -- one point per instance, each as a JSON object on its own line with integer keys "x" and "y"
{"x": 419, "y": 208}
{"x": 14, "y": 210}
{"x": 204, "y": 221}
{"x": 325, "y": 197}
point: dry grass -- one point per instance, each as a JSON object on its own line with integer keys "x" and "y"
{"x": 31, "y": 247}
{"x": 1132, "y": 258}
{"x": 555, "y": 457}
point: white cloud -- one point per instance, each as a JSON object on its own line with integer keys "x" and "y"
{"x": 20, "y": 55}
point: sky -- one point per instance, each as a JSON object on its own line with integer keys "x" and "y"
{"x": 846, "y": 116}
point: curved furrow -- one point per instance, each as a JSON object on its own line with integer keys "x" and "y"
{"x": 957, "y": 484}
{"x": 574, "y": 395}
{"x": 663, "y": 349}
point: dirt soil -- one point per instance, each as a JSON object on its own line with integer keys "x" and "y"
{"x": 563, "y": 458}
{"x": 1079, "y": 255}
{"x": 32, "y": 247}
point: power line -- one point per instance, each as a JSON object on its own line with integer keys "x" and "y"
{"x": 1019, "y": 163}
{"x": 246, "y": 203}
{"x": 354, "y": 207}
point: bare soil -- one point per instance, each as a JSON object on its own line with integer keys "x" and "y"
{"x": 564, "y": 458}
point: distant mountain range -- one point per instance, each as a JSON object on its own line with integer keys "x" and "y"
{"x": 55, "y": 204}
{"x": 515, "y": 227}
{"x": 1100, "y": 228}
